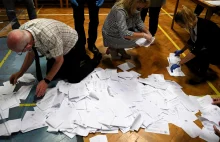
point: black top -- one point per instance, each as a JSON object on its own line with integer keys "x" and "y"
{"x": 208, "y": 39}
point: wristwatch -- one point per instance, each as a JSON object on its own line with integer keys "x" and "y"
{"x": 46, "y": 80}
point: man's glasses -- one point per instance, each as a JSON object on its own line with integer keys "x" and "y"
{"x": 20, "y": 53}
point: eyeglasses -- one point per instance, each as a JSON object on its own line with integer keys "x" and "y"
{"x": 20, "y": 53}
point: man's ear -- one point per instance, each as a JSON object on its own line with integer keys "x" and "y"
{"x": 29, "y": 46}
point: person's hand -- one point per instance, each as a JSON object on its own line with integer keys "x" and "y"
{"x": 174, "y": 66}
{"x": 148, "y": 36}
{"x": 99, "y": 2}
{"x": 178, "y": 52}
{"x": 217, "y": 132}
{"x": 74, "y": 2}
{"x": 216, "y": 101}
{"x": 41, "y": 88}
{"x": 14, "y": 77}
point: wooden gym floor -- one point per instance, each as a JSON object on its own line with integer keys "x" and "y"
{"x": 147, "y": 60}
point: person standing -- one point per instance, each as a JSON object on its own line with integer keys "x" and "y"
{"x": 78, "y": 15}
{"x": 11, "y": 13}
{"x": 154, "y": 11}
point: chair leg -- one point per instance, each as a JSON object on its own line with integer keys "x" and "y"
{"x": 61, "y": 3}
{"x": 36, "y": 4}
{"x": 67, "y": 3}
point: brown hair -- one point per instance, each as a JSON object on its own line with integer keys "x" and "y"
{"x": 130, "y": 5}
{"x": 186, "y": 17}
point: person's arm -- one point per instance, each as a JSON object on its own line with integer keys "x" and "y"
{"x": 27, "y": 62}
{"x": 138, "y": 35}
{"x": 29, "y": 58}
{"x": 55, "y": 68}
{"x": 187, "y": 58}
{"x": 42, "y": 85}
{"x": 123, "y": 29}
{"x": 185, "y": 48}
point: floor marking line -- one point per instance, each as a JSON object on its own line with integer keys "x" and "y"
{"x": 5, "y": 58}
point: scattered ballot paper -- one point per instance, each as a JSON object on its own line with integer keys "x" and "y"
{"x": 144, "y": 42}
{"x": 126, "y": 66}
{"x": 172, "y": 59}
{"x": 98, "y": 138}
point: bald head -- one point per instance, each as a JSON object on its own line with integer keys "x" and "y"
{"x": 17, "y": 40}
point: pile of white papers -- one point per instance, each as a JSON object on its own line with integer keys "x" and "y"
{"x": 108, "y": 101}
{"x": 144, "y": 42}
{"x": 172, "y": 59}
{"x": 10, "y": 99}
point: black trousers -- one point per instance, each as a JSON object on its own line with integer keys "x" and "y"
{"x": 154, "y": 17}
{"x": 200, "y": 64}
{"x": 73, "y": 69}
{"x": 78, "y": 15}
{"x": 10, "y": 10}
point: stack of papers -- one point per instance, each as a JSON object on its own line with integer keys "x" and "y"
{"x": 144, "y": 42}
{"x": 172, "y": 59}
{"x": 10, "y": 99}
{"x": 108, "y": 101}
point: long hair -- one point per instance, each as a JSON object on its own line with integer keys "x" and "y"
{"x": 130, "y": 5}
{"x": 186, "y": 17}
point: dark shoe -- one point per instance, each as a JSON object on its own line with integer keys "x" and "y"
{"x": 124, "y": 54}
{"x": 197, "y": 80}
{"x": 211, "y": 75}
{"x": 96, "y": 60}
{"x": 114, "y": 53}
{"x": 93, "y": 49}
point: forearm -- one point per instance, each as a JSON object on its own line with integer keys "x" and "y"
{"x": 185, "y": 48}
{"x": 55, "y": 68}
{"x": 187, "y": 58}
{"x": 27, "y": 62}
{"x": 136, "y": 35}
{"x": 145, "y": 30}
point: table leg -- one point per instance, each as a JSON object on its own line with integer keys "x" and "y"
{"x": 209, "y": 14}
{"x": 177, "y": 3}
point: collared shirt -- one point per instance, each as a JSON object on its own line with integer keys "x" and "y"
{"x": 193, "y": 34}
{"x": 52, "y": 38}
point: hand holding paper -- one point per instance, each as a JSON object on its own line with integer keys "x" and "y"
{"x": 217, "y": 132}
{"x": 216, "y": 101}
{"x": 178, "y": 52}
{"x": 174, "y": 66}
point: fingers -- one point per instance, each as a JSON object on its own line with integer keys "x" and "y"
{"x": 216, "y": 102}
{"x": 15, "y": 81}
{"x": 12, "y": 80}
{"x": 217, "y": 132}
{"x": 41, "y": 89}
{"x": 39, "y": 92}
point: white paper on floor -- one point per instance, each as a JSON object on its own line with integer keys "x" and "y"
{"x": 126, "y": 66}
{"x": 107, "y": 101}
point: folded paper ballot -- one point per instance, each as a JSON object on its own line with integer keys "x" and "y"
{"x": 126, "y": 66}
{"x": 172, "y": 59}
{"x": 107, "y": 101}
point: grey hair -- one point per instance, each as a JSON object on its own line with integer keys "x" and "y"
{"x": 17, "y": 39}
